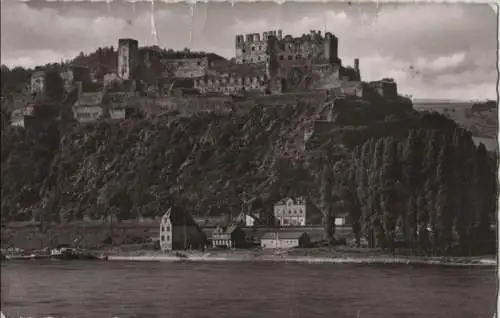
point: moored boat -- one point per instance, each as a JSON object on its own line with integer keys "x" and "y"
{"x": 67, "y": 253}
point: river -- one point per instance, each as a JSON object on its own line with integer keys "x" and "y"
{"x": 261, "y": 290}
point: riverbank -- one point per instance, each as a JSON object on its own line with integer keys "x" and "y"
{"x": 301, "y": 256}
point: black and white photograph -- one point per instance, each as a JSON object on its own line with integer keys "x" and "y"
{"x": 248, "y": 159}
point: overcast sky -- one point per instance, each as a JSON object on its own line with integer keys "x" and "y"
{"x": 432, "y": 50}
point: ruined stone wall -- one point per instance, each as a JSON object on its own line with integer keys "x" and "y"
{"x": 325, "y": 76}
{"x": 316, "y": 47}
{"x": 251, "y": 48}
{"x": 186, "y": 68}
{"x": 295, "y": 75}
{"x": 386, "y": 88}
{"x": 293, "y": 49}
{"x": 185, "y": 105}
{"x": 352, "y": 88}
{"x": 231, "y": 84}
{"x": 37, "y": 82}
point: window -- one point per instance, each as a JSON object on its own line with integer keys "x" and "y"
{"x": 260, "y": 48}
{"x": 168, "y": 228}
{"x": 162, "y": 238}
{"x": 162, "y": 229}
{"x": 290, "y": 57}
{"x": 281, "y": 57}
{"x": 243, "y": 51}
{"x": 168, "y": 238}
{"x": 199, "y": 63}
{"x": 253, "y": 48}
{"x": 258, "y": 58}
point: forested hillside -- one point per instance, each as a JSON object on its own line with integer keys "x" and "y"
{"x": 434, "y": 186}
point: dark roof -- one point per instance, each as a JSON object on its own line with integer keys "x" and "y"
{"x": 209, "y": 221}
{"x": 224, "y": 233}
{"x": 180, "y": 216}
{"x": 298, "y": 200}
{"x": 282, "y": 235}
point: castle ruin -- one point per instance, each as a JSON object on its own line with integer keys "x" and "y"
{"x": 282, "y": 67}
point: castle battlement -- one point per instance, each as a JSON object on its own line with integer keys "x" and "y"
{"x": 255, "y": 38}
{"x": 249, "y": 38}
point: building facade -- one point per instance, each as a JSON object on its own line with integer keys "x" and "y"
{"x": 246, "y": 219}
{"x": 166, "y": 232}
{"x": 284, "y": 240}
{"x": 228, "y": 237}
{"x": 37, "y": 82}
{"x": 178, "y": 231}
{"x": 72, "y": 74}
{"x": 289, "y": 212}
{"x": 386, "y": 87}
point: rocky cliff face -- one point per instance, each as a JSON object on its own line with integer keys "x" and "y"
{"x": 208, "y": 163}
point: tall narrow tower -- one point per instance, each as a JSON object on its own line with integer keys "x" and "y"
{"x": 356, "y": 68}
{"x": 331, "y": 52}
{"x": 128, "y": 56}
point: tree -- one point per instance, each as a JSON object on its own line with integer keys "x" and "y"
{"x": 389, "y": 185}
{"x": 326, "y": 200}
{"x": 444, "y": 205}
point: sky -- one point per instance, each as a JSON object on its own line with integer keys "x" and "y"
{"x": 433, "y": 51}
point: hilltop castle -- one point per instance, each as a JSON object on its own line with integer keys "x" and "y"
{"x": 267, "y": 68}
{"x": 263, "y": 65}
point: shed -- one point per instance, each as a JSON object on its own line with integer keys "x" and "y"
{"x": 284, "y": 240}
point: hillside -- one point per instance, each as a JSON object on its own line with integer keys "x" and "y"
{"x": 208, "y": 162}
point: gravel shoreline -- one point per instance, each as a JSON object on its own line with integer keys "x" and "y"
{"x": 330, "y": 259}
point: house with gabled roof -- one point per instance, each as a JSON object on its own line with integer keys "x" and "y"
{"x": 284, "y": 240}
{"x": 232, "y": 236}
{"x": 179, "y": 231}
{"x": 290, "y": 212}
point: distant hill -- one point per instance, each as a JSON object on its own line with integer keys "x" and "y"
{"x": 440, "y": 101}
{"x": 473, "y": 116}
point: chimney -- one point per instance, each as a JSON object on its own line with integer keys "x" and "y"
{"x": 356, "y": 65}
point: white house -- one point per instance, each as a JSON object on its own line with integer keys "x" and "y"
{"x": 288, "y": 212}
{"x": 246, "y": 220}
{"x": 284, "y": 240}
{"x": 88, "y": 113}
{"x": 340, "y": 220}
{"x": 17, "y": 121}
{"x": 166, "y": 232}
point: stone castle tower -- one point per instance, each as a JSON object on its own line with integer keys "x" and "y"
{"x": 128, "y": 57}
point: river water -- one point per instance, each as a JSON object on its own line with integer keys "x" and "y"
{"x": 261, "y": 290}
